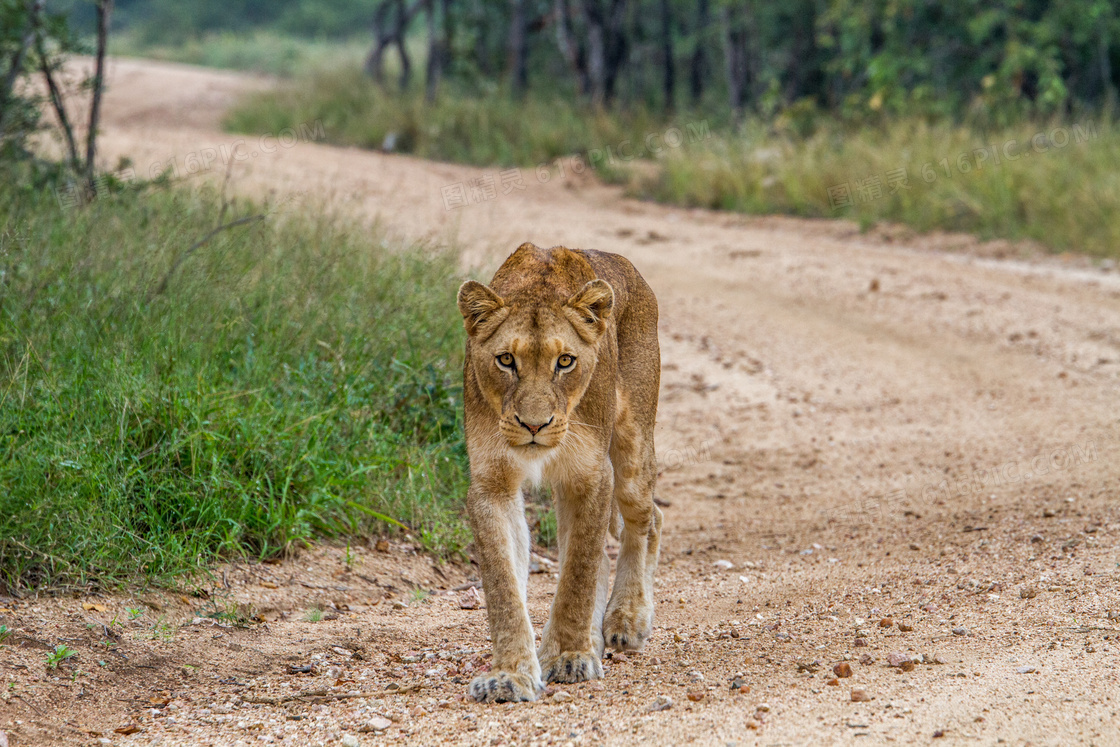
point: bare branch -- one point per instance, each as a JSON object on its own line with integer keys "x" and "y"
{"x": 104, "y": 7}
{"x": 193, "y": 247}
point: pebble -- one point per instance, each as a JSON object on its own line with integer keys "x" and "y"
{"x": 886, "y": 622}
{"x": 843, "y": 669}
{"x": 960, "y": 631}
{"x": 561, "y": 697}
{"x": 724, "y": 565}
{"x": 753, "y": 725}
{"x": 662, "y": 703}
{"x": 860, "y": 696}
{"x": 867, "y": 660}
{"x": 833, "y": 682}
{"x": 349, "y": 740}
{"x": 696, "y": 696}
{"x": 470, "y": 599}
{"x": 904, "y": 628}
{"x": 378, "y": 723}
{"x": 1026, "y": 670}
{"x": 1028, "y": 592}
{"x": 860, "y": 642}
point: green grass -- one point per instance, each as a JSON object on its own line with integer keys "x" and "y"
{"x": 259, "y": 51}
{"x": 485, "y": 128}
{"x": 296, "y": 378}
{"x": 1065, "y": 195}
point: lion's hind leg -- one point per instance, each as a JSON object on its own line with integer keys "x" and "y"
{"x": 629, "y": 618}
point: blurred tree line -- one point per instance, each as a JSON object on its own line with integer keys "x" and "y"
{"x": 1001, "y": 58}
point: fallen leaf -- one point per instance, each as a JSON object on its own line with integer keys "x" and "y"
{"x": 269, "y": 585}
{"x": 91, "y": 607}
{"x": 130, "y": 729}
{"x": 159, "y": 702}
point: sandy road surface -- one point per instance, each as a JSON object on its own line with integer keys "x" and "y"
{"x": 896, "y": 449}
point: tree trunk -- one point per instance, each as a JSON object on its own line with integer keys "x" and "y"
{"x": 518, "y": 50}
{"x": 573, "y": 51}
{"x": 669, "y": 81}
{"x": 698, "y": 67}
{"x": 735, "y": 46}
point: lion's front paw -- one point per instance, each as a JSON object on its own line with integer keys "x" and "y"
{"x": 627, "y": 629}
{"x": 504, "y": 687}
{"x": 572, "y": 666}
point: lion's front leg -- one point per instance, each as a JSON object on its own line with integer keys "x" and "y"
{"x": 572, "y": 642}
{"x": 502, "y": 539}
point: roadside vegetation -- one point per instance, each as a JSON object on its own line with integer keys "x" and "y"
{"x": 165, "y": 403}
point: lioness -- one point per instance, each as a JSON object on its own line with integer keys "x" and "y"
{"x": 560, "y": 383}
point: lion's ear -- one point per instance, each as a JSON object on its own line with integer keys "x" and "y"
{"x": 590, "y": 306}
{"x": 482, "y": 308}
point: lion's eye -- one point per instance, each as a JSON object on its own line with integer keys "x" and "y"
{"x": 565, "y": 362}
{"x": 505, "y": 360}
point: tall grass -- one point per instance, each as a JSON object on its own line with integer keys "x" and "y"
{"x": 485, "y": 129}
{"x": 1057, "y": 183}
{"x": 160, "y": 408}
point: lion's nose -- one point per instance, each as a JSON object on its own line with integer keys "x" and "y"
{"x": 533, "y": 428}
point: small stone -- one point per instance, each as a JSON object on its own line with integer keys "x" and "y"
{"x": 762, "y": 708}
{"x": 867, "y": 660}
{"x": 860, "y": 696}
{"x": 842, "y": 670}
{"x": 860, "y": 642}
{"x": 897, "y": 658}
{"x": 399, "y": 605}
{"x": 662, "y": 703}
{"x": 833, "y": 682}
{"x": 753, "y": 725}
{"x": 1037, "y": 539}
{"x": 907, "y": 666}
{"x": 470, "y": 599}
{"x": 349, "y": 740}
{"x": 377, "y": 723}
{"x": 654, "y": 661}
{"x": 619, "y": 657}
{"x": 561, "y": 696}
{"x": 904, "y": 628}
{"x": 724, "y": 565}
{"x": 382, "y": 546}
{"x": 886, "y": 622}
{"x": 738, "y": 683}
{"x": 939, "y": 733}
{"x": 1028, "y": 592}
{"x": 696, "y": 696}
{"x": 960, "y": 631}
{"x": 1114, "y": 614}
{"x": 1026, "y": 670}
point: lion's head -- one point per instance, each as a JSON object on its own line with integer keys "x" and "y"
{"x": 533, "y": 355}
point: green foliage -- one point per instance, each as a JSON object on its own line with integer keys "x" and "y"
{"x": 293, "y": 372}
{"x": 60, "y": 654}
{"x": 260, "y": 51}
{"x": 5, "y": 633}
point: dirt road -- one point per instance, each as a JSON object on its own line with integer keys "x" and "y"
{"x": 870, "y": 446}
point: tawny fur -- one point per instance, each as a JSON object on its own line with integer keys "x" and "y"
{"x": 588, "y": 431}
